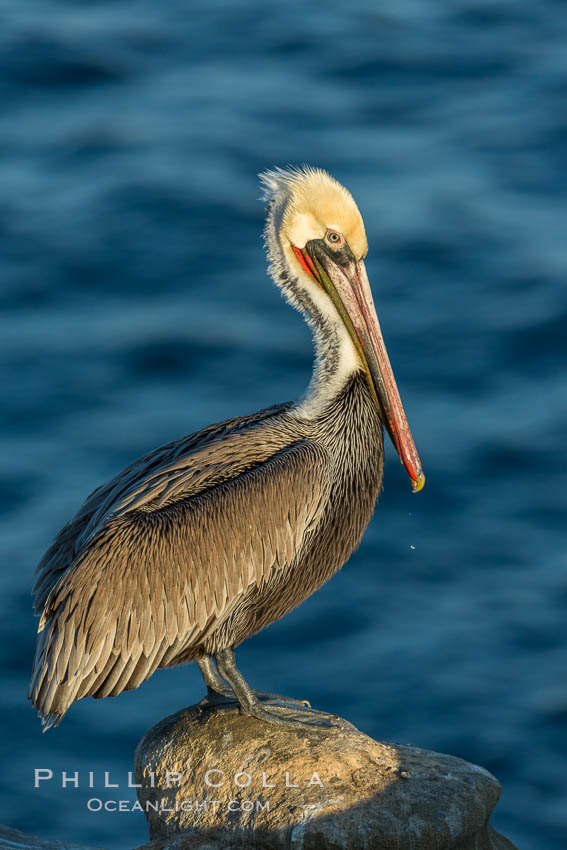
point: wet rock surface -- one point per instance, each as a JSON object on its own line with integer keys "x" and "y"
{"x": 212, "y": 777}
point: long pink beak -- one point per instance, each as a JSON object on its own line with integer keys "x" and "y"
{"x": 348, "y": 287}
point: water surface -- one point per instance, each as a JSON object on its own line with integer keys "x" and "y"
{"x": 136, "y": 309}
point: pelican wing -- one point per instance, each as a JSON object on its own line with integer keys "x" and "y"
{"x": 166, "y": 565}
{"x": 103, "y": 501}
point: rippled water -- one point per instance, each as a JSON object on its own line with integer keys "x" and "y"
{"x": 136, "y": 309}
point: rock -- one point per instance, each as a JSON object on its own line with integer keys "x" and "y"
{"x": 214, "y": 778}
{"x": 215, "y": 840}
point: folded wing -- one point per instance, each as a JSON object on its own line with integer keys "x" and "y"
{"x": 167, "y": 562}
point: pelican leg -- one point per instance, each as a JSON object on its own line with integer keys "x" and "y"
{"x": 279, "y": 713}
{"x": 215, "y": 684}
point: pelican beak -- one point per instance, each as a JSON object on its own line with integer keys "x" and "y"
{"x": 345, "y": 280}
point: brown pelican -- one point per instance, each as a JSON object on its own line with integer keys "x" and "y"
{"x": 207, "y": 540}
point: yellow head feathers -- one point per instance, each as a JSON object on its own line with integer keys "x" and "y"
{"x": 315, "y": 203}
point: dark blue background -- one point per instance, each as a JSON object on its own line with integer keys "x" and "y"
{"x": 136, "y": 309}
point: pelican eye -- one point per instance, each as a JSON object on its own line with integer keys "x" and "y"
{"x": 334, "y": 239}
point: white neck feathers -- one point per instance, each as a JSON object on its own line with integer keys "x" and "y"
{"x": 336, "y": 358}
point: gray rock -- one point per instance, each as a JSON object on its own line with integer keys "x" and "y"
{"x": 213, "y": 778}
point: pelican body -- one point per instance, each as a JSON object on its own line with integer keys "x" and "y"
{"x": 206, "y": 540}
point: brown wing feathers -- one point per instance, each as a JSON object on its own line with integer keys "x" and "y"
{"x": 166, "y": 566}
{"x": 89, "y": 517}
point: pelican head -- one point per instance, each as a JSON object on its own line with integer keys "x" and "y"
{"x": 317, "y": 244}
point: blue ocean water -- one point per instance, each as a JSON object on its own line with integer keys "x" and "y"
{"x": 135, "y": 309}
